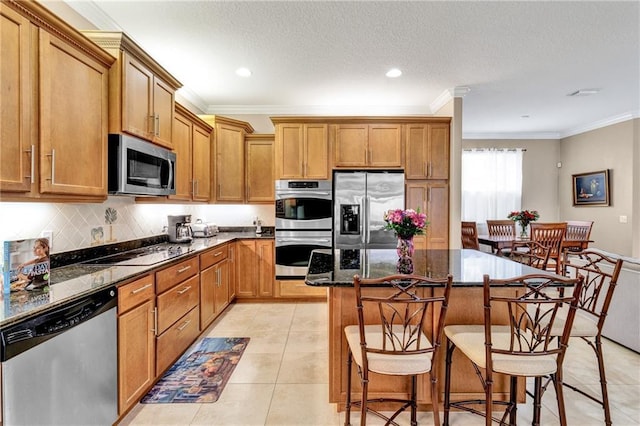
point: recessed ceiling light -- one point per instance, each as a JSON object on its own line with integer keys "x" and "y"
{"x": 393, "y": 73}
{"x": 243, "y": 72}
{"x": 584, "y": 92}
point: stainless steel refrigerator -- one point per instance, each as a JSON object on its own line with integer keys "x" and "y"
{"x": 360, "y": 200}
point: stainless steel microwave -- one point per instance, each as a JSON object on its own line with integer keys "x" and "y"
{"x": 140, "y": 168}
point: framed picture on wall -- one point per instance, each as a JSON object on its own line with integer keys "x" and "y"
{"x": 591, "y": 189}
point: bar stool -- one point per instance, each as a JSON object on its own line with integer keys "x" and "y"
{"x": 522, "y": 348}
{"x": 391, "y": 338}
{"x": 600, "y": 279}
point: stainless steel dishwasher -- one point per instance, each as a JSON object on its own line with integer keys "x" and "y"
{"x": 60, "y": 367}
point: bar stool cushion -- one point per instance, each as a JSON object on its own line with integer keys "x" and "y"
{"x": 584, "y": 325}
{"x": 470, "y": 340}
{"x": 387, "y": 364}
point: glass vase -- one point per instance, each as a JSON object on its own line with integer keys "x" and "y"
{"x": 524, "y": 230}
{"x": 405, "y": 251}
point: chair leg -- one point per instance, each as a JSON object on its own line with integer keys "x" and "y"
{"x": 347, "y": 407}
{"x": 513, "y": 400}
{"x": 364, "y": 380}
{"x": 447, "y": 382}
{"x": 435, "y": 398}
{"x": 557, "y": 383}
{"x": 488, "y": 392}
{"x": 537, "y": 399}
{"x": 603, "y": 381}
{"x": 414, "y": 408}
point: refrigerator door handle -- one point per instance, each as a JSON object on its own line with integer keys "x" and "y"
{"x": 367, "y": 210}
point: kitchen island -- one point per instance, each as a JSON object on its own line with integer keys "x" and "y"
{"x": 335, "y": 269}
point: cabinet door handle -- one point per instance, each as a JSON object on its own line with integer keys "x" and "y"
{"x": 186, "y": 268}
{"x": 157, "y": 125}
{"x": 155, "y": 321}
{"x": 32, "y": 153}
{"x": 186, "y": 323}
{"x": 184, "y": 290}
{"x": 138, "y": 290}
{"x": 53, "y": 166}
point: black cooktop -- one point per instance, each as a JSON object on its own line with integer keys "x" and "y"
{"x": 143, "y": 256}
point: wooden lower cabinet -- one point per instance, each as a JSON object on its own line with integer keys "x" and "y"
{"x": 255, "y": 268}
{"x": 175, "y": 340}
{"x": 214, "y": 284}
{"x": 178, "y": 313}
{"x": 297, "y": 289}
{"x": 136, "y": 341}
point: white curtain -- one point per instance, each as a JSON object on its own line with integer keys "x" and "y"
{"x": 491, "y": 184}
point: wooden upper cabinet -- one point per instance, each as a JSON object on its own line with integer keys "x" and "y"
{"x": 54, "y": 107}
{"x": 192, "y": 145}
{"x": 433, "y": 199}
{"x": 368, "y": 145}
{"x": 427, "y": 151}
{"x": 228, "y": 158}
{"x": 302, "y": 151}
{"x": 142, "y": 93}
{"x": 259, "y": 168}
{"x": 18, "y": 147}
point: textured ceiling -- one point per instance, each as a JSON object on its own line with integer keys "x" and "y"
{"x": 329, "y": 57}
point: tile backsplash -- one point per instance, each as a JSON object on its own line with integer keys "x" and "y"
{"x": 119, "y": 218}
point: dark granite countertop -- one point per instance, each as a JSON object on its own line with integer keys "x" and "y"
{"x": 335, "y": 268}
{"x": 71, "y": 279}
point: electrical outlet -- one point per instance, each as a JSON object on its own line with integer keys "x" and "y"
{"x": 623, "y": 219}
{"x": 48, "y": 234}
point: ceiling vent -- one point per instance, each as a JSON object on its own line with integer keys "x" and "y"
{"x": 584, "y": 92}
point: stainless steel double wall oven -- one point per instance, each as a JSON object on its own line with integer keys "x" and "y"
{"x": 304, "y": 214}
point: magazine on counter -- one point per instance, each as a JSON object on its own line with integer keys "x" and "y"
{"x": 25, "y": 265}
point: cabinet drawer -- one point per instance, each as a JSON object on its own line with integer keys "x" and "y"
{"x": 297, "y": 288}
{"x": 213, "y": 256}
{"x": 176, "y": 302}
{"x": 171, "y": 276}
{"x": 173, "y": 342}
{"x": 135, "y": 293}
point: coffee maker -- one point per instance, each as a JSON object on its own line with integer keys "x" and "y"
{"x": 180, "y": 228}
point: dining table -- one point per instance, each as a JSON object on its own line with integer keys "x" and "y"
{"x": 501, "y": 242}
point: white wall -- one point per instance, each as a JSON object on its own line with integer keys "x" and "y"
{"x": 611, "y": 148}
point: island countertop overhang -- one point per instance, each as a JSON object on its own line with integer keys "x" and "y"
{"x": 337, "y": 267}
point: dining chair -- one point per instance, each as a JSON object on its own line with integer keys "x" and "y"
{"x": 550, "y": 235}
{"x": 523, "y": 347}
{"x": 530, "y": 253}
{"x": 501, "y": 228}
{"x": 600, "y": 280}
{"x": 395, "y": 336}
{"x": 578, "y": 230}
{"x": 469, "y": 232}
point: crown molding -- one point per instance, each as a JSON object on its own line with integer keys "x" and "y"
{"x": 601, "y": 123}
{"x": 192, "y": 97}
{"x": 446, "y": 96}
{"x": 90, "y": 11}
{"x": 511, "y": 135}
{"x": 356, "y": 110}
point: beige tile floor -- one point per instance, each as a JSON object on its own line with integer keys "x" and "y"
{"x": 282, "y": 378}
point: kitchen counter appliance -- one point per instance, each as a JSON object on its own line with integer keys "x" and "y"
{"x": 303, "y": 224}
{"x": 361, "y": 199}
{"x": 179, "y": 228}
{"x": 200, "y": 229}
{"x": 140, "y": 168}
{"x": 60, "y": 367}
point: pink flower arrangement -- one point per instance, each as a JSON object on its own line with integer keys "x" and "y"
{"x": 406, "y": 223}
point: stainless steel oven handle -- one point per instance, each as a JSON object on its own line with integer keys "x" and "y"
{"x": 303, "y": 240}
{"x": 289, "y": 193}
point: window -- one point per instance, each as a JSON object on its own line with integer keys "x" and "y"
{"x": 491, "y": 184}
